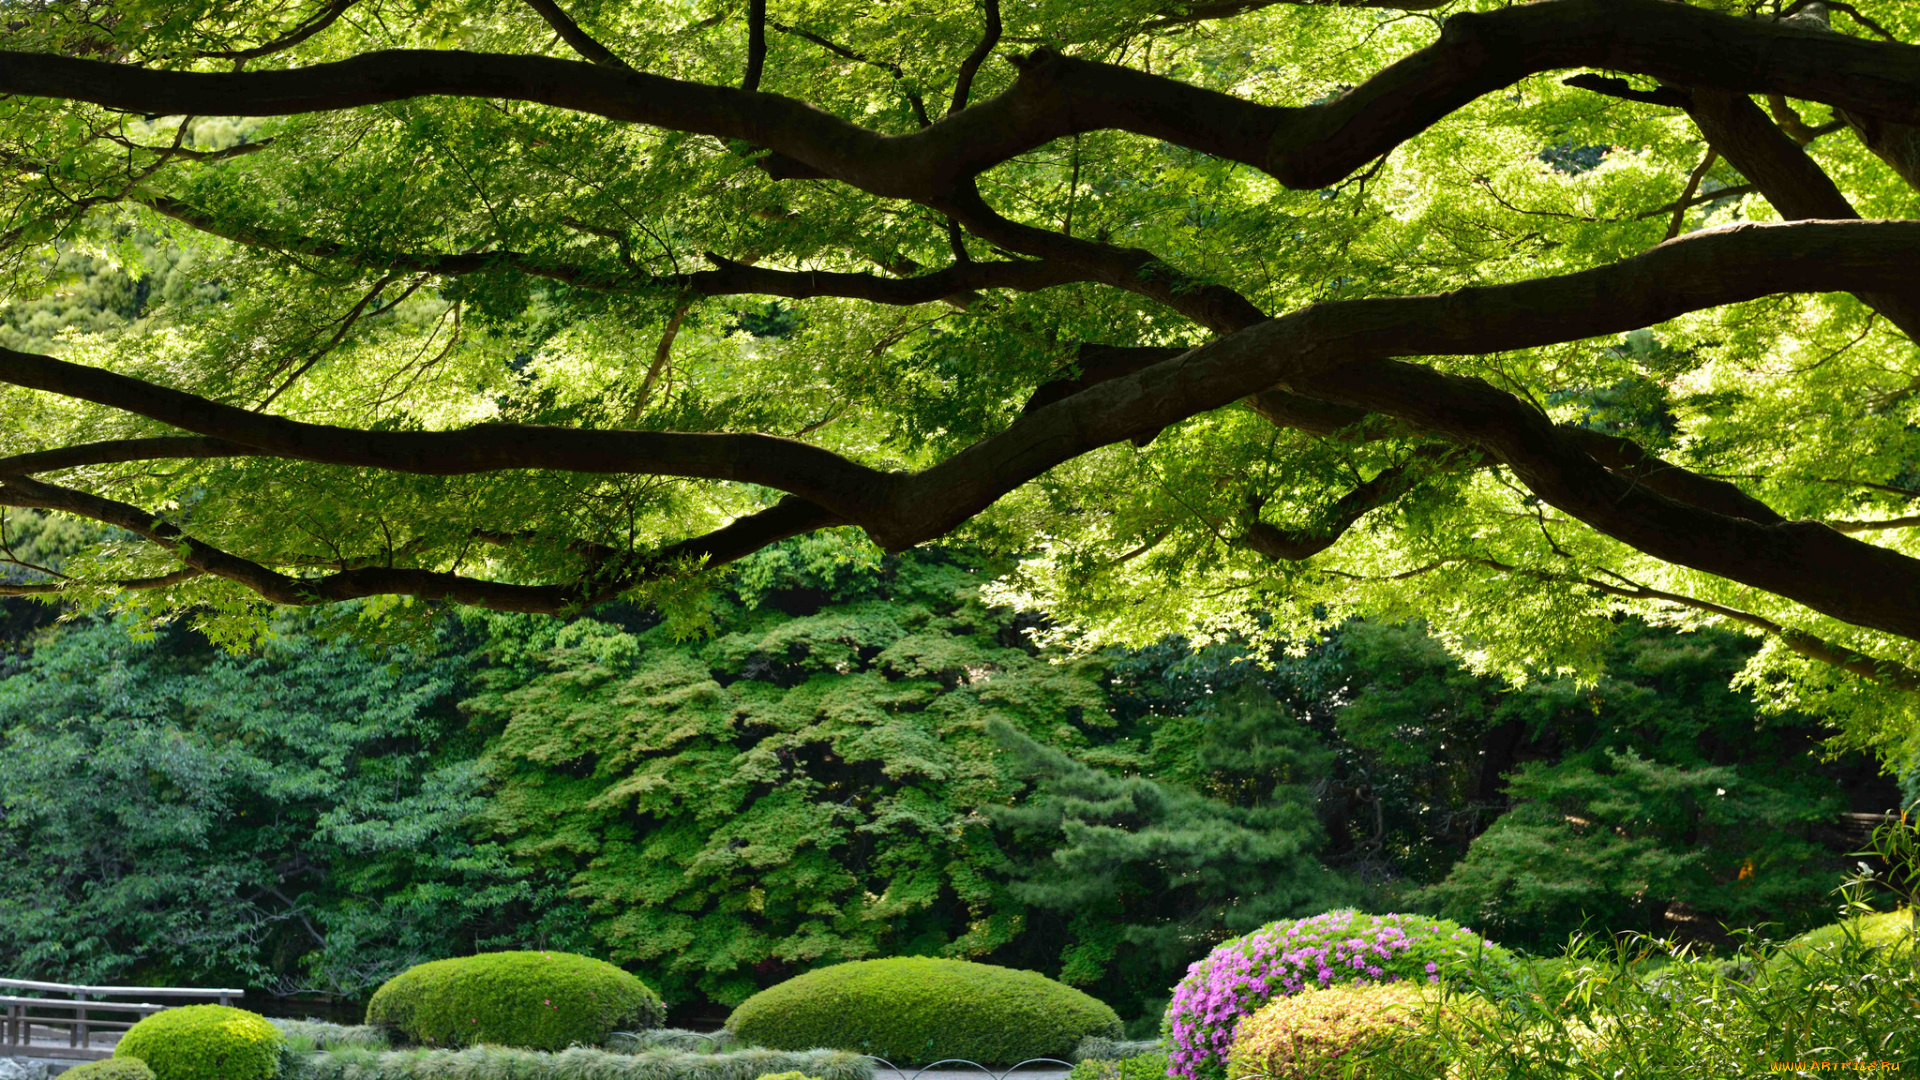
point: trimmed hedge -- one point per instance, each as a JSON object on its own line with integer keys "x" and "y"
{"x": 917, "y": 1009}
{"x": 579, "y": 1063}
{"x": 698, "y": 1042}
{"x": 529, "y": 1000}
{"x": 1240, "y": 976}
{"x": 1323, "y": 1033}
{"x": 1101, "y": 1048}
{"x": 114, "y": 1068}
{"x": 205, "y": 1042}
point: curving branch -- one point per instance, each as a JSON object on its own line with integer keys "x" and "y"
{"x": 970, "y": 67}
{"x": 1294, "y": 545}
{"x": 55, "y": 588}
{"x": 789, "y": 517}
{"x": 1057, "y": 96}
{"x": 1790, "y": 180}
{"x": 1334, "y": 352}
{"x": 1890, "y": 673}
{"x": 321, "y": 19}
{"x": 729, "y": 278}
{"x": 1209, "y": 10}
{"x": 121, "y": 451}
{"x": 756, "y": 45}
{"x": 577, "y": 39}
{"x": 899, "y": 73}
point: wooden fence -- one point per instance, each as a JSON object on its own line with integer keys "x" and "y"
{"x": 56, "y": 1020}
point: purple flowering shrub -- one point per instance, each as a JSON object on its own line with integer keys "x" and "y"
{"x": 1286, "y": 957}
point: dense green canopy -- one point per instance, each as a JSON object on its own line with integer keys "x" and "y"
{"x": 1208, "y": 308}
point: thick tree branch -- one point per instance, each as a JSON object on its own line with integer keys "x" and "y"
{"x": 1331, "y": 352}
{"x": 1056, "y": 96}
{"x": 120, "y": 451}
{"x": 1796, "y": 186}
{"x": 789, "y": 517}
{"x": 1802, "y": 560}
{"x": 852, "y": 490}
{"x": 1135, "y": 270}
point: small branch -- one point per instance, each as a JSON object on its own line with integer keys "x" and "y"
{"x": 963, "y": 83}
{"x": 661, "y": 354}
{"x": 1889, "y": 673}
{"x": 580, "y": 41}
{"x": 1295, "y": 545}
{"x": 899, "y": 74}
{"x": 1796, "y": 128}
{"x": 326, "y": 17}
{"x": 1874, "y": 526}
{"x": 1227, "y": 9}
{"x": 1621, "y": 88}
{"x": 133, "y": 584}
{"x": 1733, "y": 192}
{"x": 1839, "y": 5}
{"x": 1693, "y": 187}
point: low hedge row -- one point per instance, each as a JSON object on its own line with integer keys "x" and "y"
{"x": 578, "y": 1063}
{"x": 918, "y": 1009}
{"x": 320, "y": 1035}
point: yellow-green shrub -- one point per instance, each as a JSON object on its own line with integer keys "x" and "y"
{"x": 205, "y": 1042}
{"x": 531, "y": 1000}
{"x": 1332, "y": 1032}
{"x": 114, "y": 1068}
{"x": 914, "y": 1008}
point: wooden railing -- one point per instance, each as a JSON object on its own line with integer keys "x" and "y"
{"x": 57, "y": 1020}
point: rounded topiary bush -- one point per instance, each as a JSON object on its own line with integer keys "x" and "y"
{"x": 1321, "y": 1033}
{"x": 204, "y": 1042}
{"x": 114, "y": 1068}
{"x": 1284, "y": 958}
{"x": 918, "y": 1009}
{"x": 531, "y": 1000}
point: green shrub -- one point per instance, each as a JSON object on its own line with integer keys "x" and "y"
{"x": 1688, "y": 1020}
{"x": 530, "y": 1000}
{"x": 1339, "y": 1031}
{"x": 1240, "y": 976}
{"x": 581, "y": 1063}
{"x": 913, "y": 1009}
{"x": 114, "y": 1068}
{"x": 1147, "y": 1066}
{"x": 205, "y": 1042}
